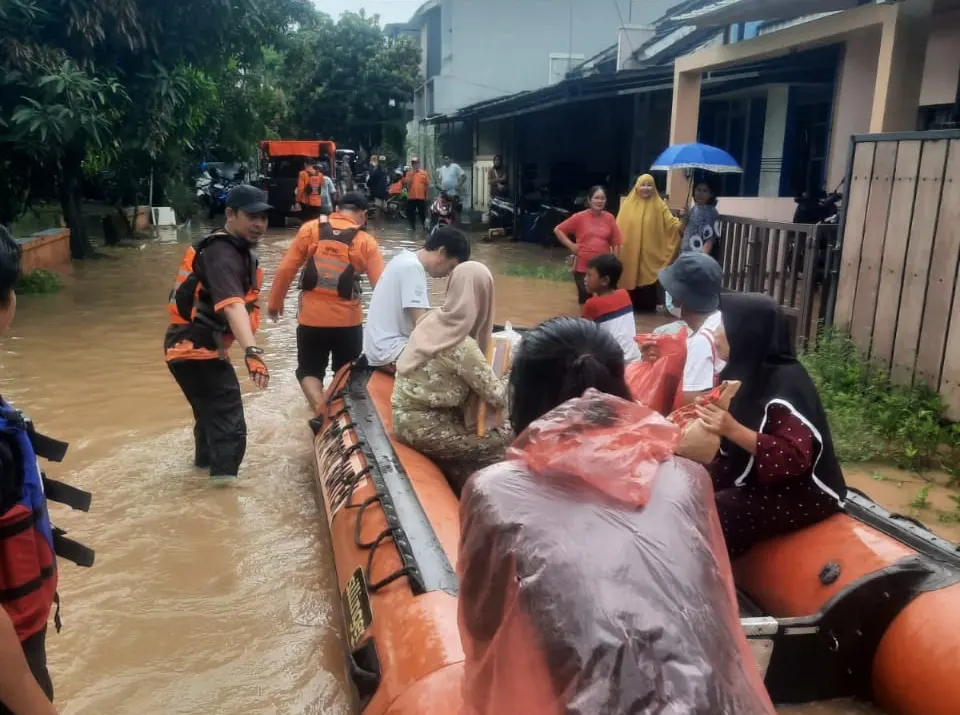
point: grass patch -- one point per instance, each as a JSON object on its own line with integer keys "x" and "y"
{"x": 922, "y": 499}
{"x": 541, "y": 271}
{"x": 871, "y": 418}
{"x": 39, "y": 282}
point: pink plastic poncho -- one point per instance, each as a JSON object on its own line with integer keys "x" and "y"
{"x": 594, "y": 576}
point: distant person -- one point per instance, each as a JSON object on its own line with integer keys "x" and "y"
{"x": 452, "y": 181}
{"x": 588, "y": 234}
{"x": 346, "y": 174}
{"x": 329, "y": 197}
{"x": 651, "y": 237}
{"x": 497, "y": 178}
{"x": 378, "y": 186}
{"x": 700, "y": 230}
{"x": 610, "y": 307}
{"x": 310, "y": 186}
{"x": 695, "y": 281}
{"x": 28, "y": 546}
{"x": 417, "y": 183}
{"x": 215, "y": 301}
{"x": 776, "y": 472}
{"x": 443, "y": 378}
{"x": 402, "y": 296}
{"x": 333, "y": 253}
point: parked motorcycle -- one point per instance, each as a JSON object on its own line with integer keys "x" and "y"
{"x": 441, "y": 212}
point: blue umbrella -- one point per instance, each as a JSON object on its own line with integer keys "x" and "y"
{"x": 696, "y": 156}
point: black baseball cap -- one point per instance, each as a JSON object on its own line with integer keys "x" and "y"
{"x": 354, "y": 200}
{"x": 248, "y": 199}
{"x": 694, "y": 282}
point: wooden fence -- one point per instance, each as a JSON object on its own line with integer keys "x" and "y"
{"x": 897, "y": 290}
{"x": 790, "y": 262}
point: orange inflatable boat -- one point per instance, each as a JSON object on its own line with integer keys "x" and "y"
{"x": 865, "y": 604}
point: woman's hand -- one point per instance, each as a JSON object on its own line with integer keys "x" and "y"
{"x": 717, "y": 421}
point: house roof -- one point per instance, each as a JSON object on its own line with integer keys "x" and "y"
{"x": 728, "y": 12}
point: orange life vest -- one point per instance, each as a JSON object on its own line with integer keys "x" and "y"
{"x": 191, "y": 303}
{"x": 329, "y": 271}
{"x": 312, "y": 192}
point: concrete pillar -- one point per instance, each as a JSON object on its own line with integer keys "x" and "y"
{"x": 684, "y": 122}
{"x": 903, "y": 51}
{"x": 774, "y": 134}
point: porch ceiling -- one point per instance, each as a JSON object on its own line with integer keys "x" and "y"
{"x": 729, "y": 12}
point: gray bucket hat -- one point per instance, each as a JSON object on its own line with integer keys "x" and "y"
{"x": 694, "y": 282}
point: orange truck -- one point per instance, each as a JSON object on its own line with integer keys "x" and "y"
{"x": 281, "y": 162}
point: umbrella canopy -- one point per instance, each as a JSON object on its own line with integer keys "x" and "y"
{"x": 697, "y": 156}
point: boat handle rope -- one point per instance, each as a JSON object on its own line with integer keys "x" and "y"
{"x": 357, "y": 539}
{"x": 409, "y": 571}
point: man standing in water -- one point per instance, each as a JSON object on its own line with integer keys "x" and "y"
{"x": 452, "y": 180}
{"x": 333, "y": 253}
{"x": 213, "y": 304}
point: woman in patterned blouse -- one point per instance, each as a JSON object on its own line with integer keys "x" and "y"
{"x": 776, "y": 471}
{"x": 443, "y": 378}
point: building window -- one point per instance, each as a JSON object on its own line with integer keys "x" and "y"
{"x": 939, "y": 116}
{"x": 560, "y": 64}
{"x": 741, "y": 31}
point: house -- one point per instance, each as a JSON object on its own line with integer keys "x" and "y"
{"x": 477, "y": 50}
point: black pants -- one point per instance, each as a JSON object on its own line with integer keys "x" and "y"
{"x": 316, "y": 345}
{"x": 417, "y": 208}
{"x": 645, "y": 298}
{"x": 582, "y": 295}
{"x": 35, "y": 650}
{"x": 220, "y": 431}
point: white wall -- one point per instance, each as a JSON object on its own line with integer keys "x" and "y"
{"x": 493, "y": 48}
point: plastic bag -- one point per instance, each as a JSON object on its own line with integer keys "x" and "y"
{"x": 575, "y": 600}
{"x": 697, "y": 442}
{"x": 656, "y": 384}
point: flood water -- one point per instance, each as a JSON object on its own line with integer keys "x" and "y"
{"x": 201, "y": 600}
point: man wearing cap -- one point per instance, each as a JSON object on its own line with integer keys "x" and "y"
{"x": 694, "y": 281}
{"x": 417, "y": 183}
{"x": 214, "y": 304}
{"x": 333, "y": 252}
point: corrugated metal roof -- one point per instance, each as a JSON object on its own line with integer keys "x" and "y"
{"x": 729, "y": 12}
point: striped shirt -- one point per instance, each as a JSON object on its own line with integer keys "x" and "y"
{"x": 614, "y": 313}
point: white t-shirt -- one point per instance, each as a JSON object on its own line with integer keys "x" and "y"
{"x": 450, "y": 178}
{"x": 703, "y": 365}
{"x": 402, "y": 285}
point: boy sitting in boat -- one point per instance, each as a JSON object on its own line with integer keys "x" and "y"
{"x": 401, "y": 297}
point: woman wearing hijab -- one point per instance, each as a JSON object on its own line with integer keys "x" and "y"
{"x": 443, "y": 378}
{"x": 776, "y": 471}
{"x": 651, "y": 236}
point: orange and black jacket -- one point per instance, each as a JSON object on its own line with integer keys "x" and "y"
{"x": 333, "y": 252}
{"x": 310, "y": 187}
{"x": 218, "y": 271}
{"x": 29, "y": 543}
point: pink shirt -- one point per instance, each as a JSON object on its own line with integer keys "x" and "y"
{"x": 594, "y": 235}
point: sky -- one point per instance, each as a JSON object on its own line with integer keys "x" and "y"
{"x": 389, "y": 10}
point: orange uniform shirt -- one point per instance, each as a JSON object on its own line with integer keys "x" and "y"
{"x": 309, "y": 198}
{"x": 318, "y": 310}
{"x": 417, "y": 183}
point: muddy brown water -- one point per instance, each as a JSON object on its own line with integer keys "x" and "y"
{"x": 202, "y": 600}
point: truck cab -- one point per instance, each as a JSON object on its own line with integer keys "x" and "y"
{"x": 280, "y": 165}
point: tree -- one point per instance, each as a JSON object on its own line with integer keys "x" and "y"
{"x": 347, "y": 81}
{"x": 124, "y": 85}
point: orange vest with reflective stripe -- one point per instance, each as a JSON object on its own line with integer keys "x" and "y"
{"x": 191, "y": 303}
{"x": 329, "y": 271}
{"x": 312, "y": 189}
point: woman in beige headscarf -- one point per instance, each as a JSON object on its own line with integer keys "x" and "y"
{"x": 443, "y": 378}
{"x": 651, "y": 237}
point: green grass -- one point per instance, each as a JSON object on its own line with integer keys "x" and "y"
{"x": 921, "y": 500}
{"x": 541, "y": 271}
{"x": 38, "y": 282}
{"x": 873, "y": 419}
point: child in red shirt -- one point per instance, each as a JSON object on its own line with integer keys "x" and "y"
{"x": 610, "y": 307}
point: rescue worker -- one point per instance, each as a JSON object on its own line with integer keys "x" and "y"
{"x": 29, "y": 543}
{"x": 417, "y": 183}
{"x": 310, "y": 186}
{"x": 213, "y": 304}
{"x": 333, "y": 252}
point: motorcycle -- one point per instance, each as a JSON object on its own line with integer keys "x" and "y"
{"x": 441, "y": 212}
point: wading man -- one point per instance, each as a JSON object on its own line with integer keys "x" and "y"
{"x": 213, "y": 304}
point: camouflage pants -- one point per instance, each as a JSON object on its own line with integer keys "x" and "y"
{"x": 442, "y": 436}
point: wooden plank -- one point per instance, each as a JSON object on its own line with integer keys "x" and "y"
{"x": 895, "y": 251}
{"x": 950, "y": 379}
{"x": 943, "y": 275}
{"x": 858, "y": 194}
{"x": 871, "y": 251}
{"x": 917, "y": 261}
